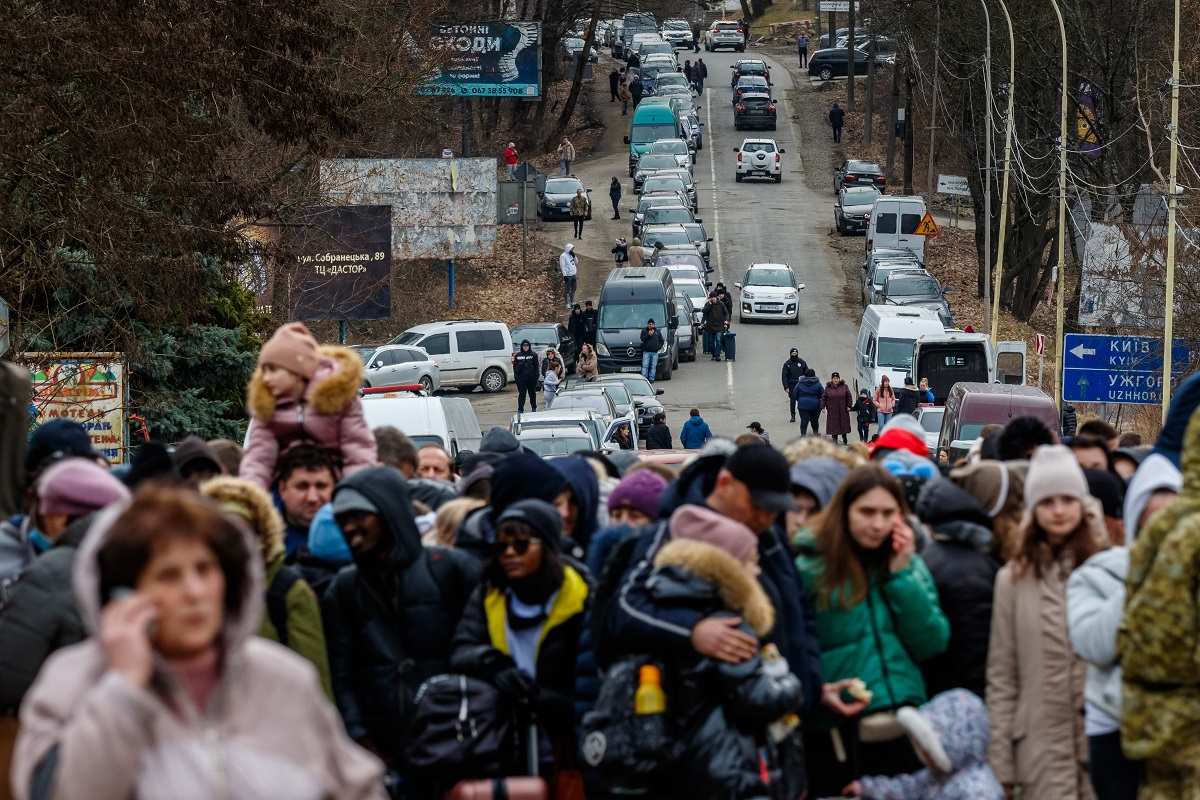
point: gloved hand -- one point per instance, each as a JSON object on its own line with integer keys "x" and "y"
{"x": 515, "y": 684}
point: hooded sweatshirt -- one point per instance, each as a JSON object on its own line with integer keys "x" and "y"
{"x": 952, "y": 730}
{"x": 581, "y": 480}
{"x": 807, "y": 393}
{"x": 268, "y": 731}
{"x": 695, "y": 433}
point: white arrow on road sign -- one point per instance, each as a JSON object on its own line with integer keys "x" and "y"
{"x": 1079, "y": 351}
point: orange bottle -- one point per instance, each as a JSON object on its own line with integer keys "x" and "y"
{"x": 649, "y": 698}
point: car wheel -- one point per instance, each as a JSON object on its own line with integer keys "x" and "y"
{"x": 778, "y": 178}
{"x": 664, "y": 373}
{"x": 366, "y": 384}
{"x": 774, "y": 127}
{"x": 737, "y": 177}
{"x": 492, "y": 380}
{"x": 838, "y": 226}
{"x": 741, "y": 49}
{"x": 796, "y": 320}
{"x": 736, "y": 126}
{"x": 427, "y": 383}
{"x": 826, "y": 74}
{"x": 741, "y": 319}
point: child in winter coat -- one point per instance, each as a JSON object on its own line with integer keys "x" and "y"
{"x": 950, "y": 736}
{"x": 549, "y": 386}
{"x": 865, "y": 409}
{"x": 302, "y": 392}
{"x": 724, "y": 710}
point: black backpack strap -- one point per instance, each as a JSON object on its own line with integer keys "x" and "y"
{"x": 277, "y": 594}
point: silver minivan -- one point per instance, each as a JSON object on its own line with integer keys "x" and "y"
{"x": 469, "y": 352}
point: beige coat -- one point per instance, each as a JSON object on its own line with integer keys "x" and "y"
{"x": 587, "y": 366}
{"x": 637, "y": 255}
{"x": 1035, "y": 689}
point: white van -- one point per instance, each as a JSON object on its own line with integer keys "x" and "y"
{"x": 893, "y": 223}
{"x": 885, "y": 343}
{"x": 468, "y": 352}
{"x": 446, "y": 421}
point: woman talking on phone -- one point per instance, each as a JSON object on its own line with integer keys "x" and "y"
{"x": 172, "y": 695}
{"x": 877, "y": 618}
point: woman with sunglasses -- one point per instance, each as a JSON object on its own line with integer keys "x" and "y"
{"x": 520, "y": 630}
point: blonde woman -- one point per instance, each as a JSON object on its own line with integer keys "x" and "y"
{"x": 588, "y": 365}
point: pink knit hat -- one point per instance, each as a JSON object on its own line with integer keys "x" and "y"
{"x": 705, "y": 525}
{"x": 78, "y": 486}
{"x": 293, "y": 348}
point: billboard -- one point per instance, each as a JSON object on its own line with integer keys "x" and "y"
{"x": 90, "y": 388}
{"x": 488, "y": 59}
{"x": 343, "y": 264}
{"x": 440, "y": 207}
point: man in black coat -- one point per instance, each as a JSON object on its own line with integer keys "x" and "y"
{"x": 589, "y": 323}
{"x": 525, "y": 374}
{"x": 836, "y": 117}
{"x": 793, "y": 370}
{"x": 907, "y": 399}
{"x": 652, "y": 342}
{"x": 614, "y": 80}
{"x": 389, "y": 617}
{"x": 658, "y": 435}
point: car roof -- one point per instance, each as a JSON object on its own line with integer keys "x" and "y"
{"x": 769, "y": 265}
{"x": 754, "y": 80}
{"x": 452, "y": 323}
{"x": 525, "y": 325}
{"x": 756, "y": 96}
{"x": 758, "y": 141}
{"x": 668, "y": 141}
{"x": 665, "y": 227}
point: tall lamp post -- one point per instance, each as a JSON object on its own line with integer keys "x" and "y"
{"x": 1172, "y": 199}
{"x": 1062, "y": 212}
{"x": 1008, "y": 137}
{"x": 987, "y": 179}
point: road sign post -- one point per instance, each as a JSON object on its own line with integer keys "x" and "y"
{"x": 5, "y": 330}
{"x": 1039, "y": 347}
{"x": 1118, "y": 369}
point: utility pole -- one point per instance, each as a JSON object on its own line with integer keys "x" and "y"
{"x": 987, "y": 185}
{"x": 937, "y": 40}
{"x": 1061, "y": 245}
{"x": 909, "y": 131}
{"x": 893, "y": 121}
{"x": 1172, "y": 200}
{"x": 1008, "y": 138}
{"x": 850, "y": 64}
{"x": 869, "y": 112}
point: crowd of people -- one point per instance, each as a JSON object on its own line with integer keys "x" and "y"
{"x": 336, "y": 612}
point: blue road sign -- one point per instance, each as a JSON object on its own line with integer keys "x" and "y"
{"x": 1118, "y": 369}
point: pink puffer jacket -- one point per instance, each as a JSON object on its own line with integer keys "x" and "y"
{"x": 329, "y": 415}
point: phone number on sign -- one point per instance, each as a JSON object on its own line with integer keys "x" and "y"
{"x": 483, "y": 91}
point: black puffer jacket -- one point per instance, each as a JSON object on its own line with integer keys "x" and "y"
{"x": 907, "y": 401}
{"x": 658, "y": 437}
{"x": 719, "y": 707}
{"x": 1070, "y": 420}
{"x": 525, "y": 363}
{"x": 41, "y": 616}
{"x": 388, "y": 626}
{"x": 964, "y": 573}
{"x": 793, "y": 370}
{"x": 476, "y": 654}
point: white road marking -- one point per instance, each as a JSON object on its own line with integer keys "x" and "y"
{"x": 712, "y": 171}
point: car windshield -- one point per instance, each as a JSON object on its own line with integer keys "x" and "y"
{"x": 931, "y": 421}
{"x": 618, "y": 392}
{"x": 682, "y": 175}
{"x": 669, "y": 200}
{"x": 695, "y": 232}
{"x": 408, "y": 337}
{"x": 635, "y": 385}
{"x": 672, "y": 79}
{"x": 663, "y": 185}
{"x": 593, "y": 401}
{"x": 756, "y": 100}
{"x": 915, "y": 287}
{"x": 895, "y": 353}
{"x": 859, "y": 197}
{"x": 694, "y": 291}
{"x": 624, "y": 316}
{"x": 365, "y": 353}
{"x": 658, "y": 161}
{"x": 651, "y": 238}
{"x": 654, "y": 70}
{"x": 758, "y": 147}
{"x": 770, "y": 277}
{"x": 863, "y": 166}
{"x": 678, "y": 148}
{"x": 725, "y": 26}
{"x": 554, "y": 446}
{"x": 562, "y": 186}
{"x": 691, "y": 261}
{"x": 536, "y": 336}
{"x": 651, "y": 132}
{"x": 669, "y": 215}
{"x": 882, "y": 271}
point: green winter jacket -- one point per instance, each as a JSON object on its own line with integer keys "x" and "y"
{"x": 305, "y": 631}
{"x": 881, "y": 639}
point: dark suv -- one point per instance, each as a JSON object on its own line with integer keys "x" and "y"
{"x": 754, "y": 111}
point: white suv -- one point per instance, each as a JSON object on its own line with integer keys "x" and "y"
{"x": 769, "y": 291}
{"x": 468, "y": 352}
{"x": 759, "y": 157}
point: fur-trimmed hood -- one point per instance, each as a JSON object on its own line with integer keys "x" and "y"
{"x": 254, "y": 505}
{"x": 686, "y": 563}
{"x": 334, "y": 385}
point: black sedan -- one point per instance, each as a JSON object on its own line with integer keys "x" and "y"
{"x": 749, "y": 66}
{"x": 554, "y": 202}
{"x": 859, "y": 173}
{"x": 754, "y": 111}
{"x": 751, "y": 84}
{"x": 831, "y": 63}
{"x": 853, "y": 205}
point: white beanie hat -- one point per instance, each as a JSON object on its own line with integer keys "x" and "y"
{"x": 1053, "y": 471}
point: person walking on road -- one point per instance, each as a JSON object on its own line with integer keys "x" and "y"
{"x": 836, "y": 403}
{"x": 637, "y": 255}
{"x": 510, "y": 161}
{"x": 836, "y": 118}
{"x": 907, "y": 399}
{"x": 624, "y": 96}
{"x": 614, "y": 194}
{"x": 620, "y": 251}
{"x": 614, "y": 81}
{"x": 652, "y": 342}
{"x": 802, "y": 48}
{"x": 525, "y": 374}
{"x": 566, "y": 154}
{"x": 715, "y": 317}
{"x": 658, "y": 435}
{"x": 695, "y": 431}
{"x": 696, "y": 37}
{"x": 579, "y": 211}
{"x": 568, "y": 265}
{"x": 636, "y": 89}
{"x": 865, "y": 410}
{"x": 701, "y": 71}
{"x": 793, "y": 370}
{"x": 808, "y": 394}
{"x": 885, "y": 402}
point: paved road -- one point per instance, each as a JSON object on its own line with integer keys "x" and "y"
{"x": 753, "y": 221}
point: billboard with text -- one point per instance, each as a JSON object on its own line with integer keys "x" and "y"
{"x": 344, "y": 264}
{"x": 487, "y": 59}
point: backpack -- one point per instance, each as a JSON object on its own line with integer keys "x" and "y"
{"x": 462, "y": 728}
{"x": 629, "y": 751}
{"x": 277, "y": 594}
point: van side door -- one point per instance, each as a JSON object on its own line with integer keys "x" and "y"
{"x": 438, "y": 347}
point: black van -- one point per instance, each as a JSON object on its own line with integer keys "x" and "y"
{"x": 631, "y": 297}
